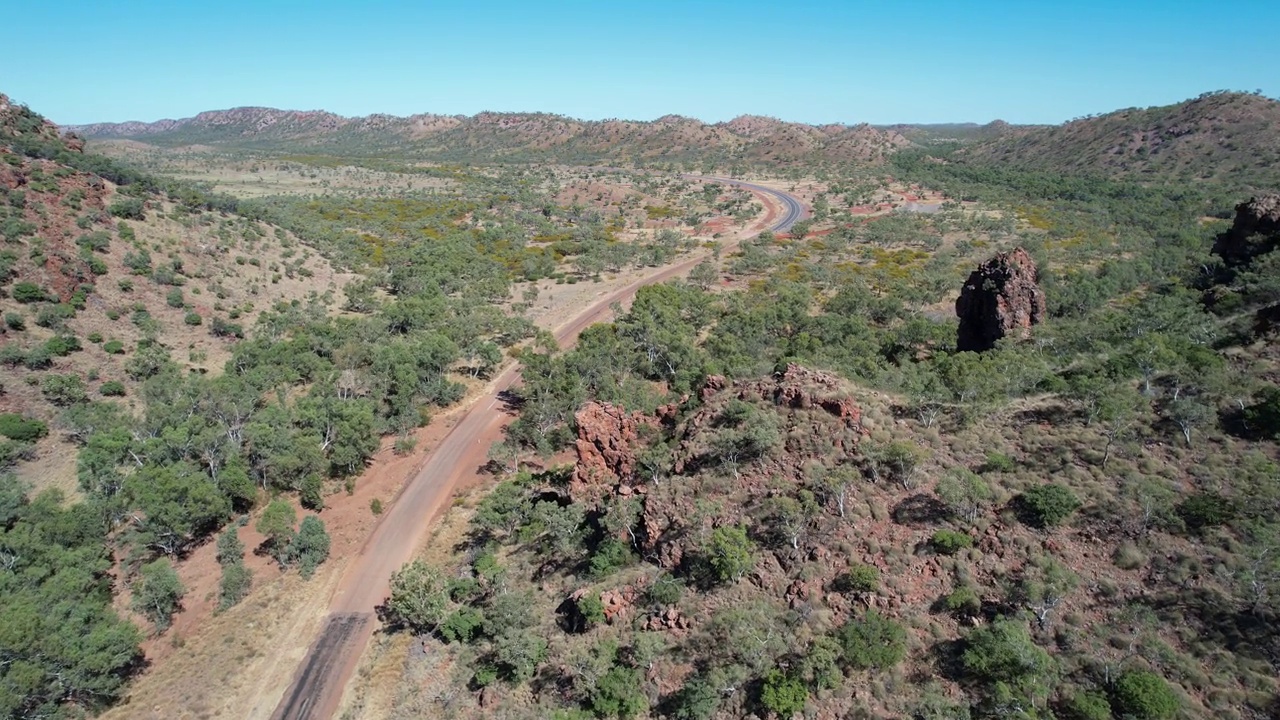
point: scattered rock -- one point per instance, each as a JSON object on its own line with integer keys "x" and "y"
{"x": 1001, "y": 297}
{"x": 617, "y": 602}
{"x": 669, "y": 619}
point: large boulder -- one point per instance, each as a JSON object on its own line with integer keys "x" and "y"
{"x": 1000, "y": 298}
{"x": 1256, "y": 230}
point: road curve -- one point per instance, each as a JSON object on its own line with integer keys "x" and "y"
{"x": 318, "y": 684}
{"x": 793, "y": 210}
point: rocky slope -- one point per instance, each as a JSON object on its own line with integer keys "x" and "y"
{"x": 1231, "y": 137}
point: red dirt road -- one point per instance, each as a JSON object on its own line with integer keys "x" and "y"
{"x": 318, "y": 685}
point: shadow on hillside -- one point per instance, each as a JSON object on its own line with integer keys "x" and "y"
{"x": 920, "y": 509}
{"x": 1220, "y": 621}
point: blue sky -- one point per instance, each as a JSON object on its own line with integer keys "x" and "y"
{"x": 804, "y": 60}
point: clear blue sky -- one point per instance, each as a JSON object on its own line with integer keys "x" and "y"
{"x": 804, "y": 60}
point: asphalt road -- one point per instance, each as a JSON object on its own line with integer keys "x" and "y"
{"x": 793, "y": 210}
{"x": 316, "y": 690}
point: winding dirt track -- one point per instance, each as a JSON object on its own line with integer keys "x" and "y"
{"x": 318, "y": 684}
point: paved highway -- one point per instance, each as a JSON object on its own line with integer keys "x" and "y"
{"x": 793, "y": 210}
{"x": 319, "y": 682}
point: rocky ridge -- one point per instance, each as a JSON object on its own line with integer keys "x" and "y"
{"x": 518, "y": 134}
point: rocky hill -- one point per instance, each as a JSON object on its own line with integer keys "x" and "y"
{"x": 94, "y": 275}
{"x": 1223, "y": 136}
{"x": 518, "y": 136}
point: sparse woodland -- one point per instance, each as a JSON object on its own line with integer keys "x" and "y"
{"x": 820, "y": 508}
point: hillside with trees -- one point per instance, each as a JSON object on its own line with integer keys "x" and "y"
{"x": 1224, "y": 137}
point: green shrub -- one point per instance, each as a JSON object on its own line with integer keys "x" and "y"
{"x": 28, "y": 292}
{"x": 95, "y": 241}
{"x": 730, "y": 553}
{"x": 139, "y": 262}
{"x": 311, "y": 492}
{"x": 1088, "y": 706}
{"x": 950, "y": 542}
{"x": 963, "y": 601}
{"x": 12, "y": 452}
{"x": 310, "y": 547}
{"x": 591, "y": 610}
{"x": 63, "y": 390}
{"x": 462, "y": 625}
{"x": 222, "y": 328}
{"x": 1144, "y": 695}
{"x": 859, "y": 578}
{"x": 619, "y": 694}
{"x": 610, "y": 556}
{"x": 95, "y": 337}
{"x": 174, "y": 298}
{"x": 15, "y": 321}
{"x": 1206, "y": 510}
{"x": 129, "y": 208}
{"x": 63, "y": 345}
{"x": 54, "y": 316}
{"x": 665, "y": 591}
{"x": 375, "y": 506}
{"x": 193, "y": 319}
{"x": 783, "y": 695}
{"x": 1048, "y": 505}
{"x": 17, "y": 427}
{"x": 872, "y": 641}
{"x": 113, "y": 347}
{"x": 11, "y": 355}
{"x": 38, "y": 358}
{"x": 158, "y": 594}
{"x": 112, "y": 388}
{"x": 1004, "y": 658}
{"x": 125, "y": 285}
{"x": 997, "y": 462}
{"x": 235, "y": 584}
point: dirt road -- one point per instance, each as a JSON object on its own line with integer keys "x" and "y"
{"x": 319, "y": 683}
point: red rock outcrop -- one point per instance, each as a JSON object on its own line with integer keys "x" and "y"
{"x": 1256, "y": 230}
{"x": 1001, "y": 297}
{"x": 607, "y": 439}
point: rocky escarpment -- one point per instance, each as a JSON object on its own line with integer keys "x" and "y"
{"x": 1255, "y": 231}
{"x": 1000, "y": 298}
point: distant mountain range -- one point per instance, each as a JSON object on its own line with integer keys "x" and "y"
{"x": 517, "y": 136}
{"x": 1223, "y": 136}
